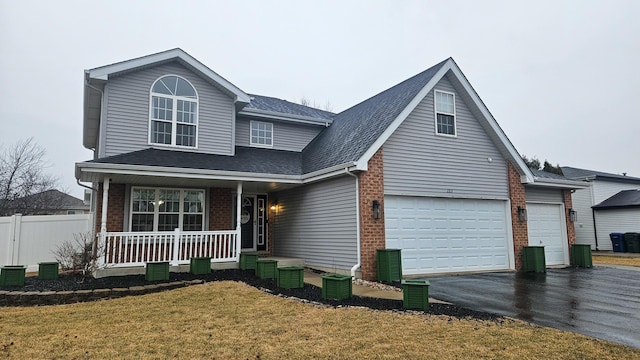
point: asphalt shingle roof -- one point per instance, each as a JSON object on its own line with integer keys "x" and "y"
{"x": 547, "y": 175}
{"x": 272, "y": 104}
{"x": 252, "y": 160}
{"x": 576, "y": 173}
{"x": 354, "y": 130}
{"x": 625, "y": 198}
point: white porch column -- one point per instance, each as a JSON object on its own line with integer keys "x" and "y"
{"x": 238, "y": 221}
{"x": 103, "y": 222}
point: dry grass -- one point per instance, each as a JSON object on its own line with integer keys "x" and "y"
{"x": 223, "y": 320}
{"x": 616, "y": 260}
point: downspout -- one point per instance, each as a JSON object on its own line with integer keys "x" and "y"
{"x": 356, "y": 266}
{"x": 595, "y": 230}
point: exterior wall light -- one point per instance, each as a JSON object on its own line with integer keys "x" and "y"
{"x": 522, "y": 214}
{"x": 377, "y": 213}
{"x": 573, "y": 215}
{"x": 274, "y": 205}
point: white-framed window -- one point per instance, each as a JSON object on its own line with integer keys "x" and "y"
{"x": 261, "y": 134}
{"x": 159, "y": 209}
{"x": 445, "y": 106}
{"x": 173, "y": 113}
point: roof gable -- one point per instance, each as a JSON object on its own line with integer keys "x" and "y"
{"x": 104, "y": 72}
{"x": 358, "y": 132}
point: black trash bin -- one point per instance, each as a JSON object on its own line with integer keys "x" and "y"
{"x": 617, "y": 242}
{"x": 632, "y": 240}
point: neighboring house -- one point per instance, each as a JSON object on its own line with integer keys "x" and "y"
{"x": 50, "y": 202}
{"x": 187, "y": 164}
{"x": 601, "y": 186}
{"x": 618, "y": 214}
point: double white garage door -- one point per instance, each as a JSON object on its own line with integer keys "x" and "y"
{"x": 440, "y": 235}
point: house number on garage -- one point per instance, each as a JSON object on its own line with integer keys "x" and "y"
{"x": 449, "y": 191}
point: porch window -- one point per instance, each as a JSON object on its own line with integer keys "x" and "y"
{"x": 445, "y": 113}
{"x": 174, "y": 112}
{"x": 167, "y": 209}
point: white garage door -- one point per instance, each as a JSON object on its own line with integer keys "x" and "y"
{"x": 546, "y": 228}
{"x": 447, "y": 235}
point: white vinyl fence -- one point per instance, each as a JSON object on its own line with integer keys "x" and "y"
{"x": 28, "y": 240}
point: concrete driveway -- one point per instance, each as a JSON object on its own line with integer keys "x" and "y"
{"x": 600, "y": 302}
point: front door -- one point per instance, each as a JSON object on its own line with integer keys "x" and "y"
{"x": 248, "y": 223}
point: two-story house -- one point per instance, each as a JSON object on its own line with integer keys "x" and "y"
{"x": 187, "y": 164}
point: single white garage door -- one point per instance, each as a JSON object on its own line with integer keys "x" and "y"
{"x": 447, "y": 235}
{"x": 546, "y": 228}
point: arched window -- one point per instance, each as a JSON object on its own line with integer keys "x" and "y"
{"x": 174, "y": 112}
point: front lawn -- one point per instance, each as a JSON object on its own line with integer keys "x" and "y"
{"x": 231, "y": 320}
{"x": 616, "y": 260}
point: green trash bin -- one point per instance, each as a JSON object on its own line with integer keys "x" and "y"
{"x": 389, "y": 265}
{"x": 200, "y": 265}
{"x": 581, "y": 256}
{"x": 248, "y": 261}
{"x": 336, "y": 287}
{"x": 533, "y": 259}
{"x": 632, "y": 239}
{"x": 266, "y": 269}
{"x": 290, "y": 277}
{"x": 48, "y": 270}
{"x": 415, "y": 294}
{"x": 12, "y": 275}
{"x": 157, "y": 271}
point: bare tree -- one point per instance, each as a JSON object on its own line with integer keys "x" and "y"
{"x": 22, "y": 174}
{"x": 312, "y": 103}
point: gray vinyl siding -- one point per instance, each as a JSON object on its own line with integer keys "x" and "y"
{"x": 581, "y": 200}
{"x": 290, "y": 137}
{"x": 127, "y": 112}
{"x": 418, "y": 162}
{"x": 615, "y": 220}
{"x": 544, "y": 195}
{"x": 317, "y": 222}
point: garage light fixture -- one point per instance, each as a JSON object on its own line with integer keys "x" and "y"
{"x": 573, "y": 215}
{"x": 522, "y": 214}
{"x": 377, "y": 213}
{"x": 274, "y": 205}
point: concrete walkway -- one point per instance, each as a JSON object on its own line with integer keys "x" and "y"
{"x": 314, "y": 278}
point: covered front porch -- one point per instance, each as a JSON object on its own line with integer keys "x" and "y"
{"x": 175, "y": 221}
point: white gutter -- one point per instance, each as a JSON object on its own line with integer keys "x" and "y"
{"x": 558, "y": 183}
{"x": 272, "y": 115}
{"x": 356, "y": 266}
{"x": 145, "y": 170}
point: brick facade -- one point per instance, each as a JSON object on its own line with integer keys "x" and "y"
{"x": 518, "y": 198}
{"x": 571, "y": 230}
{"x": 115, "y": 210}
{"x": 220, "y": 209}
{"x": 372, "y": 231}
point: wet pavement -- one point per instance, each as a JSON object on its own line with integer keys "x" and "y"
{"x": 600, "y": 302}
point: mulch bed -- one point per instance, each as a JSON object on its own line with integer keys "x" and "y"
{"x": 309, "y": 293}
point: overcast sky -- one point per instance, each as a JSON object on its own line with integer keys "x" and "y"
{"x": 562, "y": 78}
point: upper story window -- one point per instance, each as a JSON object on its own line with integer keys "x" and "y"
{"x": 261, "y": 134}
{"x": 445, "y": 113}
{"x": 174, "y": 112}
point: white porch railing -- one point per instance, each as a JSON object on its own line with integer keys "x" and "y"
{"x": 178, "y": 247}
